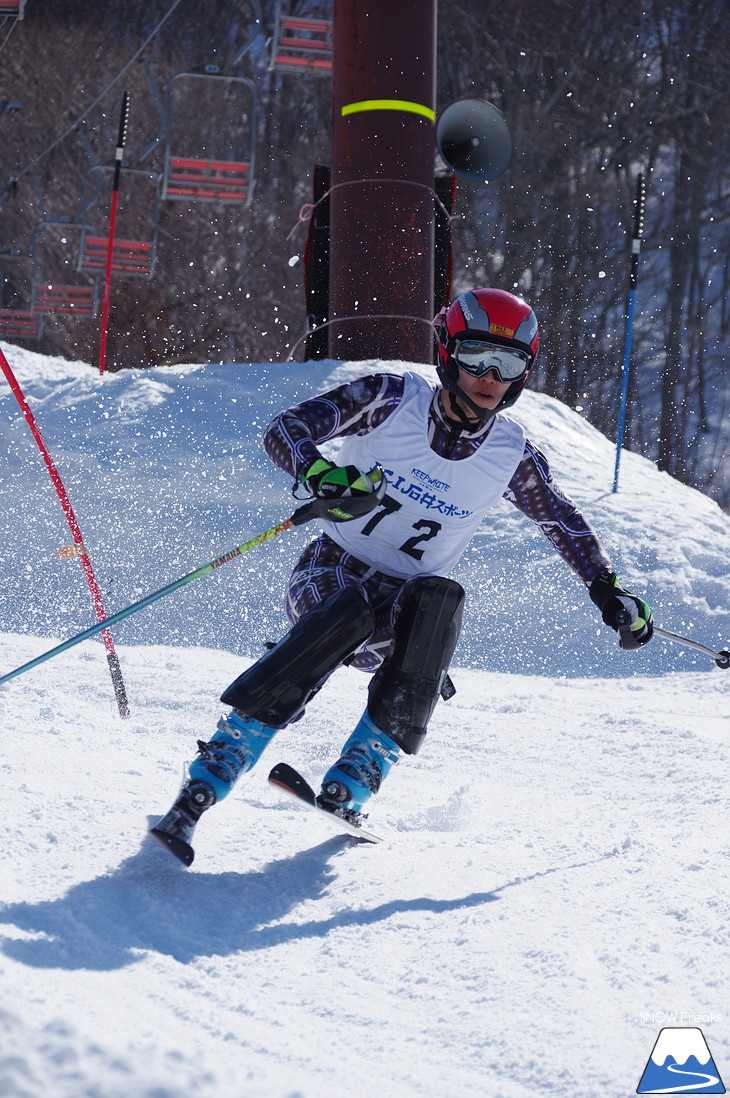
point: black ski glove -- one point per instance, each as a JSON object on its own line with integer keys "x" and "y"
{"x": 622, "y": 611}
{"x": 327, "y": 481}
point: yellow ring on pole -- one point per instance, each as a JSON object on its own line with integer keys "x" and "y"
{"x": 389, "y": 105}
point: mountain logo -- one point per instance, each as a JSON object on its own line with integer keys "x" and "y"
{"x": 680, "y": 1063}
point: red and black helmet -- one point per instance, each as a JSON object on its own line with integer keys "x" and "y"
{"x": 493, "y": 317}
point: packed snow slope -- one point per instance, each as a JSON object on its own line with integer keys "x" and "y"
{"x": 552, "y": 888}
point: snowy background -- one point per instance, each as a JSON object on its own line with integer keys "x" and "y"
{"x": 553, "y": 886}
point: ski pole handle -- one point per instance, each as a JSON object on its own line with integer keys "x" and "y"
{"x": 627, "y": 640}
{"x": 344, "y": 508}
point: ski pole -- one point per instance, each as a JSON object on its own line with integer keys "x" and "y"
{"x": 340, "y": 510}
{"x": 722, "y": 659}
{"x": 628, "y": 642}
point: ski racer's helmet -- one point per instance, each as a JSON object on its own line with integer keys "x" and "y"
{"x": 487, "y": 329}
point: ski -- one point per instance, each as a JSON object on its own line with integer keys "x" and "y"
{"x": 292, "y": 782}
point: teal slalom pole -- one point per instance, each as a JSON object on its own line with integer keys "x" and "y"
{"x": 635, "y": 250}
{"x": 338, "y": 510}
{"x": 205, "y": 570}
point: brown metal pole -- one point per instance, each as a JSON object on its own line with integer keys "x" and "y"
{"x": 382, "y": 202}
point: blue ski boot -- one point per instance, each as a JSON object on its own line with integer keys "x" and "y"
{"x": 366, "y": 761}
{"x": 235, "y": 748}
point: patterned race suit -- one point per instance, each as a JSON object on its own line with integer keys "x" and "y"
{"x": 358, "y": 409}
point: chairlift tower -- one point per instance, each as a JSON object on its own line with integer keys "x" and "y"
{"x": 382, "y": 200}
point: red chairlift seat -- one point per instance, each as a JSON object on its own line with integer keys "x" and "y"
{"x": 51, "y": 291}
{"x": 301, "y": 44}
{"x": 129, "y": 257}
{"x": 216, "y": 180}
{"x": 19, "y": 324}
{"x": 12, "y": 9}
{"x": 50, "y": 298}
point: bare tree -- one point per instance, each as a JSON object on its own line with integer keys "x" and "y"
{"x": 592, "y": 94}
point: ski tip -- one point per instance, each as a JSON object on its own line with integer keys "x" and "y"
{"x": 183, "y": 851}
{"x": 291, "y": 781}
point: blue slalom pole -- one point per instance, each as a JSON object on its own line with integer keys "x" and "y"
{"x": 635, "y": 250}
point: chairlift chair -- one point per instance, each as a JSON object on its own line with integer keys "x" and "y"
{"x": 187, "y": 175}
{"x": 51, "y": 294}
{"x": 131, "y": 256}
{"x": 217, "y": 165}
{"x": 12, "y": 9}
{"x": 300, "y": 44}
{"x": 18, "y": 323}
{"x": 52, "y": 297}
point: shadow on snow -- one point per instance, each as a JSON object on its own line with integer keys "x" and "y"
{"x": 152, "y": 905}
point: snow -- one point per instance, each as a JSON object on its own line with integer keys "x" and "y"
{"x": 554, "y": 878}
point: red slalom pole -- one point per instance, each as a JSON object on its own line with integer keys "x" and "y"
{"x": 111, "y": 655}
{"x": 118, "y": 157}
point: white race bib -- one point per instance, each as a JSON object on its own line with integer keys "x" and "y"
{"x": 433, "y": 505}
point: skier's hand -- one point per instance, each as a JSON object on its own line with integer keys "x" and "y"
{"x": 327, "y": 481}
{"x": 624, "y": 612}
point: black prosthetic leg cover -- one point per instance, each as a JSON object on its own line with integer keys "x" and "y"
{"x": 277, "y": 688}
{"x": 405, "y": 689}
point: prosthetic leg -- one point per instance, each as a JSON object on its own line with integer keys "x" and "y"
{"x": 269, "y": 695}
{"x": 401, "y": 697}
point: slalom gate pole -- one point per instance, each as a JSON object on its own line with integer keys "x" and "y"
{"x": 314, "y": 509}
{"x": 722, "y": 659}
{"x": 118, "y": 157}
{"x": 78, "y": 547}
{"x": 639, "y": 207}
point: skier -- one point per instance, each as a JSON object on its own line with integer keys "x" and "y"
{"x": 425, "y": 463}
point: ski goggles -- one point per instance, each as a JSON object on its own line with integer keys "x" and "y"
{"x": 477, "y": 358}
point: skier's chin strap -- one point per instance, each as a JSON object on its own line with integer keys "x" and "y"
{"x": 457, "y": 413}
{"x": 458, "y": 417}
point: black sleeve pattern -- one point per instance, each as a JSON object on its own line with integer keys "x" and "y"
{"x": 533, "y": 490}
{"x": 355, "y": 408}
